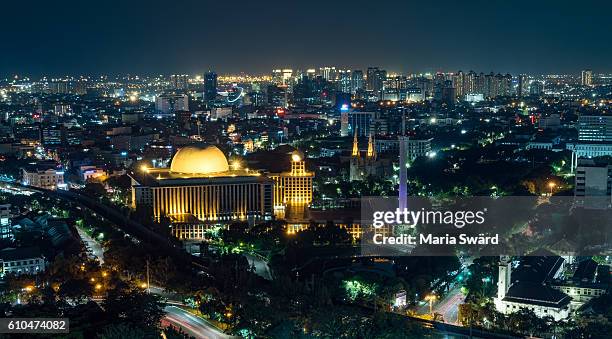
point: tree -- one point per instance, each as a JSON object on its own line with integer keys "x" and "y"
{"x": 127, "y": 331}
{"x": 133, "y": 306}
{"x": 94, "y": 190}
{"x": 76, "y": 289}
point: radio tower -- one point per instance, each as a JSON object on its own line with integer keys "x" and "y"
{"x": 403, "y": 175}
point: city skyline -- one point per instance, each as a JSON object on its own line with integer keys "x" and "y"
{"x": 138, "y": 38}
{"x": 364, "y": 169}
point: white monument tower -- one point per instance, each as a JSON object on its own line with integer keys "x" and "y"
{"x": 503, "y": 282}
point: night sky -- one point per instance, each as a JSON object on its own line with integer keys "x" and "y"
{"x": 151, "y": 37}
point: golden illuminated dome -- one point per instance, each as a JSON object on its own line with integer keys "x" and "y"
{"x": 198, "y": 160}
{"x": 297, "y": 156}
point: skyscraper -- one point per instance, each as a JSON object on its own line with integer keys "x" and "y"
{"x": 328, "y": 73}
{"x": 356, "y": 81}
{"x": 523, "y": 85}
{"x": 171, "y": 103}
{"x": 469, "y": 83}
{"x": 210, "y": 86}
{"x": 277, "y": 96}
{"x": 536, "y": 87}
{"x": 458, "y": 84}
{"x": 345, "y": 81}
{"x": 179, "y": 81}
{"x": 375, "y": 82}
{"x": 586, "y": 77}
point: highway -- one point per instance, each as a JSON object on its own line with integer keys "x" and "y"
{"x": 191, "y": 324}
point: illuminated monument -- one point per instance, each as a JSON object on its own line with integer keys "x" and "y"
{"x": 201, "y": 187}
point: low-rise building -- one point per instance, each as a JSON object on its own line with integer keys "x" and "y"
{"x": 27, "y": 260}
{"x": 6, "y": 230}
{"x": 46, "y": 176}
{"x": 527, "y": 287}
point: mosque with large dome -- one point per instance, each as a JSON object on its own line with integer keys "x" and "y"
{"x": 201, "y": 183}
{"x": 202, "y": 186}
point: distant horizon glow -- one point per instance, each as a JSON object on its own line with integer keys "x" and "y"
{"x": 153, "y": 37}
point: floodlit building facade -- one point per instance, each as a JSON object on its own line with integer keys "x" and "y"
{"x": 293, "y": 189}
{"x": 46, "y": 177}
{"x": 200, "y": 182}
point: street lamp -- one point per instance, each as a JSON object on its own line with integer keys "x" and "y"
{"x": 551, "y": 185}
{"x": 431, "y": 299}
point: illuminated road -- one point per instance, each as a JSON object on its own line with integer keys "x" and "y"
{"x": 449, "y": 306}
{"x": 191, "y": 324}
{"x": 92, "y": 245}
{"x": 261, "y": 267}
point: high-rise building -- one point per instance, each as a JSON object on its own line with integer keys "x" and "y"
{"x": 523, "y": 85}
{"x": 170, "y": 103}
{"x": 344, "y": 81}
{"x": 469, "y": 83}
{"x": 51, "y": 135}
{"x": 593, "y": 184}
{"x": 277, "y": 95}
{"x": 459, "y": 84}
{"x": 210, "y": 86}
{"x": 179, "y": 81}
{"x": 364, "y": 123}
{"x": 395, "y": 88}
{"x": 60, "y": 87}
{"x": 282, "y": 77}
{"x": 595, "y": 128}
{"x": 375, "y": 82}
{"x": 536, "y": 88}
{"x": 62, "y": 109}
{"x": 413, "y": 148}
{"x": 328, "y": 73}
{"x": 356, "y": 81}
{"x": 586, "y": 77}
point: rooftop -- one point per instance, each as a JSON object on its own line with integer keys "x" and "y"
{"x": 12, "y": 254}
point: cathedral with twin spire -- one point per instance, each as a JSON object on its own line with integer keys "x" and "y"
{"x": 366, "y": 163}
